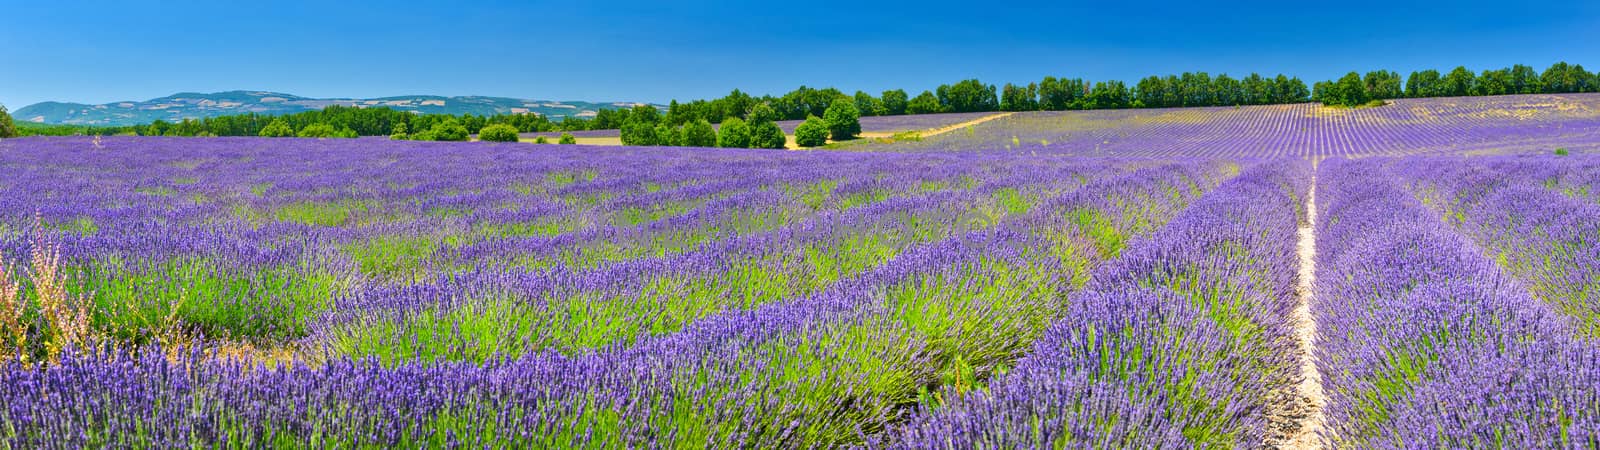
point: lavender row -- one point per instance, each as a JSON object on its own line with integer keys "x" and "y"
{"x": 1425, "y": 342}
{"x": 765, "y": 376}
{"x": 1474, "y": 125}
{"x": 1184, "y": 341}
{"x": 1549, "y": 240}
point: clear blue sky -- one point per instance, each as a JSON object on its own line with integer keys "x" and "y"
{"x": 96, "y": 52}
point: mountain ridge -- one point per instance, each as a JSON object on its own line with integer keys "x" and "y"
{"x": 196, "y": 105}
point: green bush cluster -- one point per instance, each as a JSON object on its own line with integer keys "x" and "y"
{"x": 498, "y": 133}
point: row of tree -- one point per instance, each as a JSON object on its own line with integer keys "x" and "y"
{"x": 1048, "y": 94}
{"x": 1354, "y": 89}
{"x": 758, "y": 129}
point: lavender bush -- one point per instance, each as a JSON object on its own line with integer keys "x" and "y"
{"x": 1427, "y": 342}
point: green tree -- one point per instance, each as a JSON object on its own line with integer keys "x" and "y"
{"x": 1460, "y": 82}
{"x": 448, "y": 130}
{"x": 764, "y": 132}
{"x": 498, "y": 133}
{"x": 317, "y": 130}
{"x": 8, "y": 128}
{"x": 668, "y": 135}
{"x": 734, "y": 133}
{"x": 1495, "y": 82}
{"x": 1290, "y": 90}
{"x": 1019, "y": 98}
{"x": 843, "y": 121}
{"x": 399, "y": 133}
{"x": 637, "y": 131}
{"x": 811, "y": 133}
{"x": 767, "y": 135}
{"x": 1350, "y": 90}
{"x": 895, "y": 102}
{"x": 762, "y": 112}
{"x": 1152, "y": 93}
{"x": 1108, "y": 95}
{"x": 278, "y": 128}
{"x": 1424, "y": 83}
{"x": 1525, "y": 80}
{"x": 1257, "y": 90}
{"x": 699, "y": 133}
{"x": 567, "y": 138}
{"x": 968, "y": 96}
{"x": 1383, "y": 85}
{"x": 924, "y": 103}
{"x": 869, "y": 105}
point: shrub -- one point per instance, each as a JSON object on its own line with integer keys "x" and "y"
{"x": 498, "y": 133}
{"x": 668, "y": 135}
{"x": 767, "y": 135}
{"x": 1561, "y": 151}
{"x": 699, "y": 133}
{"x": 317, "y": 130}
{"x": 278, "y": 128}
{"x": 399, "y": 132}
{"x": 733, "y": 134}
{"x": 639, "y": 131}
{"x": 567, "y": 138}
{"x": 541, "y": 140}
{"x": 761, "y": 112}
{"x": 843, "y": 120}
{"x": 449, "y": 130}
{"x": 811, "y": 133}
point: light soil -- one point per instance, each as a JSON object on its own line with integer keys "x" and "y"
{"x": 931, "y": 132}
{"x": 1299, "y": 423}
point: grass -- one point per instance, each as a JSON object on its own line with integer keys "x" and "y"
{"x": 81, "y": 225}
{"x": 322, "y": 214}
{"x": 976, "y": 319}
{"x": 1107, "y": 238}
{"x": 392, "y": 257}
{"x": 582, "y": 320}
{"x": 262, "y": 303}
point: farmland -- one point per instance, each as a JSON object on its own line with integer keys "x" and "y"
{"x": 1116, "y": 278}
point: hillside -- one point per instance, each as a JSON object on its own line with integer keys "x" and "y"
{"x": 190, "y": 105}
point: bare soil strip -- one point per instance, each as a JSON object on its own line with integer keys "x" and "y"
{"x": 931, "y": 132}
{"x": 1311, "y": 398}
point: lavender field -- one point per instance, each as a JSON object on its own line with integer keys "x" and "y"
{"x": 1419, "y": 275}
{"x": 1453, "y": 125}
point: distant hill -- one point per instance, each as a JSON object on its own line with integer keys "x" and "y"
{"x": 190, "y": 105}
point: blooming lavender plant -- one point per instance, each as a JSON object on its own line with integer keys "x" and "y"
{"x": 1426, "y": 342}
{"x": 1180, "y": 342}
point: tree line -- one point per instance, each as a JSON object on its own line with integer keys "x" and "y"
{"x": 1355, "y": 89}
{"x": 758, "y": 128}
{"x": 651, "y": 126}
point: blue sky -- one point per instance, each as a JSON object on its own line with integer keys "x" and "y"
{"x": 96, "y": 52}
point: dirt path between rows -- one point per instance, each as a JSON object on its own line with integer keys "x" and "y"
{"x": 931, "y": 132}
{"x": 1310, "y": 396}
